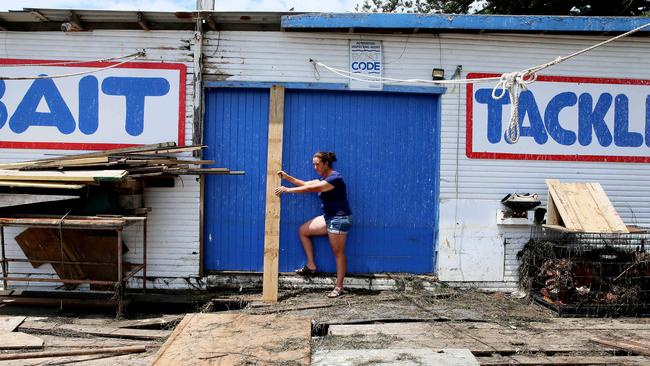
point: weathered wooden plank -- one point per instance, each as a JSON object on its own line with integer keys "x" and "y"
{"x": 563, "y": 360}
{"x": 89, "y": 176}
{"x": 40, "y": 185}
{"x": 233, "y": 339}
{"x": 616, "y": 224}
{"x": 636, "y": 347}
{"x": 19, "y": 340}
{"x": 562, "y": 205}
{"x": 19, "y": 199}
{"x": 10, "y": 323}
{"x": 109, "y": 332}
{"x": 272, "y": 218}
{"x": 94, "y": 351}
{"x": 397, "y": 357}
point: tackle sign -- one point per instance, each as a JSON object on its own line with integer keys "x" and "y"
{"x": 134, "y": 103}
{"x": 562, "y": 118}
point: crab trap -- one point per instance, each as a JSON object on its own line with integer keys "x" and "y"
{"x": 588, "y": 274}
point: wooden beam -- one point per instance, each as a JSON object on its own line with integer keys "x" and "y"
{"x": 272, "y": 219}
{"x": 144, "y": 24}
{"x": 83, "y": 352}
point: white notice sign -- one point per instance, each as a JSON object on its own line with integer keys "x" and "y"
{"x": 366, "y": 64}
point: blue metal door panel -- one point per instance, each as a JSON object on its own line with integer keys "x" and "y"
{"x": 236, "y": 132}
{"x": 387, "y": 146}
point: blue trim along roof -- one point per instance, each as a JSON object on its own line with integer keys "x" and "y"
{"x": 322, "y": 86}
{"x": 523, "y": 23}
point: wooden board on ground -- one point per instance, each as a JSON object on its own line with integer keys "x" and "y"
{"x": 10, "y": 323}
{"x": 582, "y": 207}
{"x": 233, "y": 339}
{"x": 19, "y": 340}
{"x": 540, "y": 360}
{"x": 108, "y": 331}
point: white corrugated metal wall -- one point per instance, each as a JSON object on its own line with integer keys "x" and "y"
{"x": 173, "y": 229}
{"x": 472, "y": 248}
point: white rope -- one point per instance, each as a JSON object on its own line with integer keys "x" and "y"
{"x": 131, "y": 58}
{"x": 514, "y": 83}
{"x": 66, "y": 63}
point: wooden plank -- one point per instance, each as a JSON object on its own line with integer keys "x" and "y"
{"x": 588, "y": 214}
{"x": 19, "y": 340}
{"x": 563, "y": 206}
{"x": 109, "y": 332}
{"x": 552, "y": 215}
{"x": 10, "y": 323}
{"x": 616, "y": 224}
{"x": 272, "y": 218}
{"x": 40, "y": 185}
{"x": 562, "y": 360}
{"x": 36, "y": 222}
{"x": 642, "y": 349}
{"x": 558, "y": 228}
{"x": 135, "y": 149}
{"x": 66, "y": 176}
{"x": 19, "y": 199}
{"x": 94, "y": 351}
{"x": 237, "y": 339}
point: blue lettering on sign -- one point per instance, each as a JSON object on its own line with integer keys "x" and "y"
{"x": 3, "y": 108}
{"x": 591, "y": 119}
{"x": 135, "y": 90}
{"x": 26, "y": 115}
{"x": 366, "y": 66}
{"x": 88, "y": 105}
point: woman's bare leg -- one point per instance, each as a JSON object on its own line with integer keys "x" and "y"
{"x": 337, "y": 242}
{"x": 313, "y": 227}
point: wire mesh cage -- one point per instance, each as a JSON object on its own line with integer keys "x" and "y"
{"x": 588, "y": 274}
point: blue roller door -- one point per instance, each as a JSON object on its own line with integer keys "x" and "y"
{"x": 387, "y": 144}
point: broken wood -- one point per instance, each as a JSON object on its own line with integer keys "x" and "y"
{"x": 111, "y": 351}
{"x": 625, "y": 345}
{"x": 272, "y": 217}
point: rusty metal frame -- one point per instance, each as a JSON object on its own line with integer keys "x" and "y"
{"x": 109, "y": 224}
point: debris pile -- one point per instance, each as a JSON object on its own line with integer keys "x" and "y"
{"x": 588, "y": 274}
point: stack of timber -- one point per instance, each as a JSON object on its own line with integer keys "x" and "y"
{"x": 122, "y": 172}
{"x": 581, "y": 208}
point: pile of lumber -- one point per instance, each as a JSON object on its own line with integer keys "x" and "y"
{"x": 581, "y": 208}
{"x": 118, "y": 175}
{"x": 106, "y": 166}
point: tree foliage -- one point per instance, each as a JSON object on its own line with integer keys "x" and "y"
{"x": 511, "y": 7}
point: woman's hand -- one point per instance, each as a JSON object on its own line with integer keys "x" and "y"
{"x": 280, "y": 189}
{"x": 282, "y": 174}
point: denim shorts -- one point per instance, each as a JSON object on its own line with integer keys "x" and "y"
{"x": 338, "y": 224}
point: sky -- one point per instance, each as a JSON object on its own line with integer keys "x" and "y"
{"x": 173, "y": 5}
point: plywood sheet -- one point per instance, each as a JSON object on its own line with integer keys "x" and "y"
{"x": 19, "y": 340}
{"x": 10, "y": 323}
{"x": 237, "y": 339}
{"x": 582, "y": 207}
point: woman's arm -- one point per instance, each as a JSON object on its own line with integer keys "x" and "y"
{"x": 312, "y": 186}
{"x": 295, "y": 181}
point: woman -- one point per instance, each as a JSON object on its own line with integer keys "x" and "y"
{"x": 335, "y": 220}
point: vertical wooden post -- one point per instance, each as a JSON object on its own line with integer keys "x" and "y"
{"x": 272, "y": 219}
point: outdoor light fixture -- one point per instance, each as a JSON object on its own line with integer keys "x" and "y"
{"x": 438, "y": 74}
